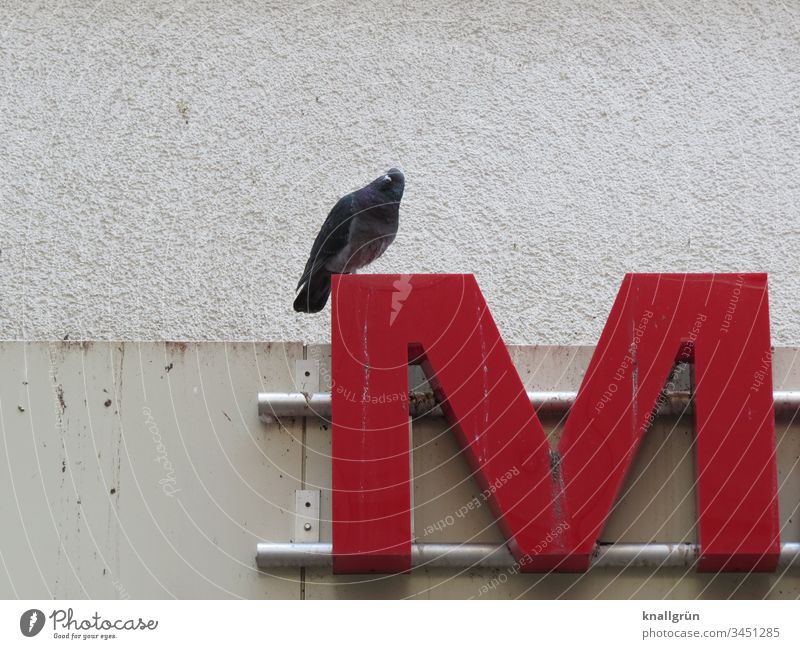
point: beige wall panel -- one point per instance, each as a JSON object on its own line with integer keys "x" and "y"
{"x": 141, "y": 470}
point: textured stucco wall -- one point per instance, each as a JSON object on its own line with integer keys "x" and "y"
{"x": 165, "y": 166}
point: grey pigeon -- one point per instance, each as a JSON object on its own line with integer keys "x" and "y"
{"x": 357, "y": 231}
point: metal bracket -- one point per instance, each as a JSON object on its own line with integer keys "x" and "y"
{"x": 306, "y": 516}
{"x": 306, "y": 376}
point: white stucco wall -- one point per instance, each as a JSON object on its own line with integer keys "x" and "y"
{"x": 164, "y": 167}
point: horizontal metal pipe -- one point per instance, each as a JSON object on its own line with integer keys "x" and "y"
{"x": 274, "y": 405}
{"x": 485, "y": 555}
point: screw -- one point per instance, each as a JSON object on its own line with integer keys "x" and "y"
{"x": 21, "y": 408}
{"x": 307, "y": 527}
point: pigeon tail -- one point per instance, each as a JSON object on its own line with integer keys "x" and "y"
{"x": 314, "y": 295}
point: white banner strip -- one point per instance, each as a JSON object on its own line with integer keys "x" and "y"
{"x": 390, "y": 624}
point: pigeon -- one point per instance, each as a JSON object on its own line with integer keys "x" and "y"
{"x": 357, "y": 231}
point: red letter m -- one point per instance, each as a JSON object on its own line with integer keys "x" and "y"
{"x": 381, "y": 322}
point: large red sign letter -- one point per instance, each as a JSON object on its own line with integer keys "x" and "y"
{"x": 381, "y": 322}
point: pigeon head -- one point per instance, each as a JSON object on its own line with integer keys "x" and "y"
{"x": 391, "y": 184}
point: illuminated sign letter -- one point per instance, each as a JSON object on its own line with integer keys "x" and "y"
{"x": 719, "y": 321}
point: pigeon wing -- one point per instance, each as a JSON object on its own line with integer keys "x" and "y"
{"x": 331, "y": 239}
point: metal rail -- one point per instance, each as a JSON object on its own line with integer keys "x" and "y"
{"x": 484, "y": 555}
{"x": 275, "y": 405}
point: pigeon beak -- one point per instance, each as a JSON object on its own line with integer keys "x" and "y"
{"x": 387, "y": 178}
